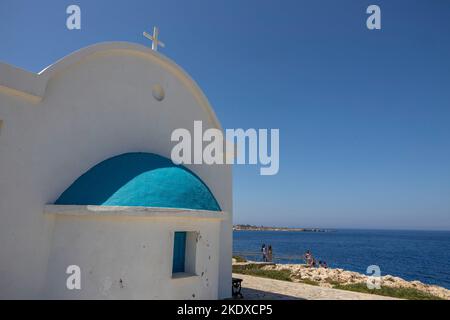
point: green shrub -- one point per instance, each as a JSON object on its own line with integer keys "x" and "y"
{"x": 250, "y": 266}
{"x": 309, "y": 281}
{"x": 239, "y": 259}
{"x": 402, "y": 293}
{"x": 256, "y": 270}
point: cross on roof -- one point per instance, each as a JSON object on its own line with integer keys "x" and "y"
{"x": 154, "y": 39}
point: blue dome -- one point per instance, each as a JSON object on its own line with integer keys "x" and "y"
{"x": 140, "y": 179}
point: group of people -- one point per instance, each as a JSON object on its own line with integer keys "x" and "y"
{"x": 311, "y": 262}
{"x": 267, "y": 256}
{"x": 267, "y": 253}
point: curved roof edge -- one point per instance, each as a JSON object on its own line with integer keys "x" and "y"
{"x": 33, "y": 85}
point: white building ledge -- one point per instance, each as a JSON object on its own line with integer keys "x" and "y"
{"x": 122, "y": 211}
{"x": 184, "y": 275}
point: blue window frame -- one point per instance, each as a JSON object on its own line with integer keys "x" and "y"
{"x": 179, "y": 251}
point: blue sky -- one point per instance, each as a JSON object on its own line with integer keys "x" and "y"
{"x": 364, "y": 116}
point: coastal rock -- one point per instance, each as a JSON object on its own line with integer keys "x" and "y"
{"x": 329, "y": 277}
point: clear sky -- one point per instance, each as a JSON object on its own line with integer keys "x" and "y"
{"x": 364, "y": 116}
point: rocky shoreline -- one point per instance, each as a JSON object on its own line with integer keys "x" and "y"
{"x": 328, "y": 277}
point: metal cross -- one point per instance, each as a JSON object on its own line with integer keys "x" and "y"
{"x": 154, "y": 39}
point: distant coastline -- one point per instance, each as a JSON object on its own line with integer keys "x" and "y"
{"x": 248, "y": 227}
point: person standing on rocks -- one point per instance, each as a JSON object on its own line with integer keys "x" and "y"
{"x": 264, "y": 252}
{"x": 269, "y": 253}
{"x": 309, "y": 259}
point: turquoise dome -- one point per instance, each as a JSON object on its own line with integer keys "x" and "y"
{"x": 140, "y": 179}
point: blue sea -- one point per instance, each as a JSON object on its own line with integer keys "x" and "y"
{"x": 412, "y": 255}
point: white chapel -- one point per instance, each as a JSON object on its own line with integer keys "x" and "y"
{"x": 87, "y": 184}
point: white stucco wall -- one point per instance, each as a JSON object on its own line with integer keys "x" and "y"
{"x": 98, "y": 103}
{"x": 130, "y": 257}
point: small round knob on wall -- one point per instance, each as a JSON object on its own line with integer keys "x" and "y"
{"x": 158, "y": 92}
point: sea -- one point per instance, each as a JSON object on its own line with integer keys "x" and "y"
{"x": 411, "y": 255}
